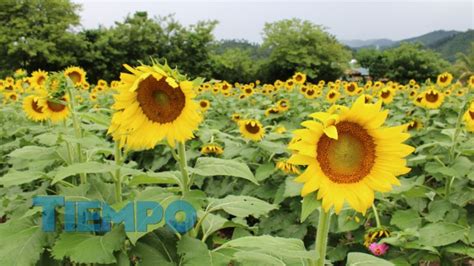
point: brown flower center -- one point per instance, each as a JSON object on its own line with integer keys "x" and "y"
{"x": 203, "y": 104}
{"x": 13, "y": 97}
{"x": 55, "y": 106}
{"x": 35, "y": 107}
{"x": 41, "y": 80}
{"x": 159, "y": 101}
{"x": 75, "y": 77}
{"x": 348, "y": 159}
{"x": 471, "y": 113}
{"x": 443, "y": 79}
{"x": 331, "y": 95}
{"x": 253, "y": 129}
{"x": 309, "y": 92}
{"x": 351, "y": 88}
{"x": 385, "y": 94}
{"x": 432, "y": 97}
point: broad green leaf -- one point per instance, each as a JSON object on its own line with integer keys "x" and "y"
{"x": 157, "y": 248}
{"x": 220, "y": 167}
{"x": 437, "y": 210}
{"x": 460, "y": 248}
{"x": 406, "y": 219}
{"x": 292, "y": 188}
{"x": 155, "y": 178}
{"x": 264, "y": 171}
{"x": 195, "y": 253}
{"x": 78, "y": 168}
{"x": 31, "y": 152}
{"x": 241, "y": 206}
{"x": 212, "y": 223}
{"x": 309, "y": 205}
{"x": 362, "y": 259}
{"x": 441, "y": 234}
{"x": 21, "y": 243}
{"x": 14, "y": 178}
{"x": 89, "y": 248}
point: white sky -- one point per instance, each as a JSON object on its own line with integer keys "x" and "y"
{"x": 347, "y": 19}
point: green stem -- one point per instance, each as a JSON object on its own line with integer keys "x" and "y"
{"x": 117, "y": 177}
{"x": 183, "y": 166}
{"x": 77, "y": 131}
{"x": 450, "y": 179}
{"x": 322, "y": 236}
{"x": 376, "y": 214}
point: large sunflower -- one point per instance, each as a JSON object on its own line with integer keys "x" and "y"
{"x": 33, "y": 110}
{"x": 350, "y": 155}
{"x": 251, "y": 129}
{"x": 38, "y": 78}
{"x": 154, "y": 105}
{"x": 76, "y": 74}
{"x": 55, "y": 108}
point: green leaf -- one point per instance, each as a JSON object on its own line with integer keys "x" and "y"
{"x": 157, "y": 248}
{"x": 241, "y": 206}
{"x": 220, "y": 167}
{"x": 438, "y": 209}
{"x": 287, "y": 250}
{"x": 195, "y": 253}
{"x": 14, "y": 178}
{"x": 21, "y": 242}
{"x": 441, "y": 234}
{"x": 31, "y": 152}
{"x": 89, "y": 248}
{"x": 362, "y": 259}
{"x": 309, "y": 205}
{"x": 78, "y": 168}
{"x": 212, "y": 223}
{"x": 292, "y": 188}
{"x": 406, "y": 219}
{"x": 460, "y": 248}
{"x": 155, "y": 178}
{"x": 264, "y": 171}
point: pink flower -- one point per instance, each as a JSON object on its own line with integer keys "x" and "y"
{"x": 378, "y": 249}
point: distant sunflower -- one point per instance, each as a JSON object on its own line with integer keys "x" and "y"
{"x": 289, "y": 84}
{"x": 242, "y": 96}
{"x": 299, "y": 78}
{"x": 444, "y": 79}
{"x": 38, "y": 78}
{"x": 469, "y": 118}
{"x": 76, "y": 74}
{"x": 283, "y": 105}
{"x": 236, "y": 117}
{"x": 332, "y": 96}
{"x": 251, "y": 129}
{"x": 386, "y": 95}
{"x": 33, "y": 110}
{"x": 412, "y": 94}
{"x": 414, "y": 125}
{"x": 311, "y": 93}
{"x": 280, "y": 129}
{"x": 212, "y": 148}
{"x": 272, "y": 111}
{"x": 360, "y": 158}
{"x": 11, "y": 96}
{"x": 55, "y": 108}
{"x": 287, "y": 167}
{"x": 368, "y": 98}
{"x": 204, "y": 105}
{"x": 471, "y": 82}
{"x": 460, "y": 92}
{"x": 432, "y": 99}
{"x": 248, "y": 91}
{"x": 351, "y": 88}
{"x": 152, "y": 105}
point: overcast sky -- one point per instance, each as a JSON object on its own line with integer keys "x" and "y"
{"x": 345, "y": 19}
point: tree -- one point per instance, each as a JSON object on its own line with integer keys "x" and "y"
{"x": 375, "y": 60}
{"x": 298, "y": 45}
{"x": 464, "y": 66}
{"x": 234, "y": 65}
{"x": 37, "y": 34}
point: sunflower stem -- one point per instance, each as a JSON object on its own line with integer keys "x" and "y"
{"x": 457, "y": 131}
{"x": 322, "y": 236}
{"x": 183, "y": 166}
{"x": 376, "y": 215}
{"x": 117, "y": 177}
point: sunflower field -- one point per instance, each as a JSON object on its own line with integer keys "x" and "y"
{"x": 289, "y": 173}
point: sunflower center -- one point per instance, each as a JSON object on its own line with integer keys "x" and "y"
{"x": 254, "y": 129}
{"x": 443, "y": 79}
{"x": 159, "y": 101}
{"x": 412, "y": 125}
{"x": 349, "y": 158}
{"x": 75, "y": 77}
{"x": 299, "y": 78}
{"x": 203, "y": 104}
{"x": 310, "y": 92}
{"x": 432, "y": 97}
{"x": 471, "y": 113}
{"x": 385, "y": 94}
{"x": 41, "y": 80}
{"x": 55, "y": 106}
{"x": 35, "y": 107}
{"x": 332, "y": 94}
{"x": 13, "y": 97}
{"x": 351, "y": 88}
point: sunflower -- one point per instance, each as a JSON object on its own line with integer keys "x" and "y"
{"x": 311, "y": 93}
{"x": 289, "y": 84}
{"x": 248, "y": 91}
{"x": 55, "y": 108}
{"x": 242, "y": 96}
{"x": 444, "y": 79}
{"x": 154, "y": 105}
{"x": 386, "y": 95}
{"x": 287, "y": 167}
{"x": 414, "y": 125}
{"x": 280, "y": 129}
{"x": 33, "y": 110}
{"x": 368, "y": 98}
{"x": 332, "y": 96}
{"x": 76, "y": 74}
{"x": 11, "y": 96}
{"x": 299, "y": 78}
{"x": 38, "y": 78}
{"x": 93, "y": 96}
{"x": 412, "y": 94}
{"x": 352, "y": 161}
{"x": 471, "y": 82}
{"x": 272, "y": 111}
{"x": 460, "y": 92}
{"x": 212, "y": 148}
{"x": 204, "y": 105}
{"x": 351, "y": 88}
{"x": 469, "y": 118}
{"x": 251, "y": 129}
{"x": 283, "y": 105}
{"x": 432, "y": 99}
{"x": 236, "y": 117}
